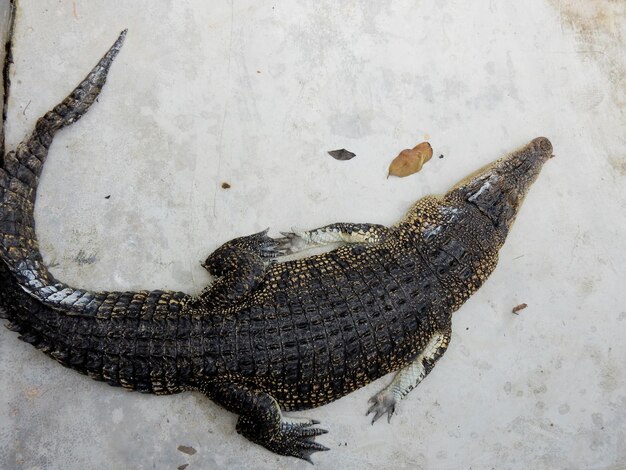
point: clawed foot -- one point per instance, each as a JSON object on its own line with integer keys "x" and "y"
{"x": 242, "y": 255}
{"x": 296, "y": 438}
{"x": 293, "y": 242}
{"x": 383, "y": 402}
{"x": 266, "y": 247}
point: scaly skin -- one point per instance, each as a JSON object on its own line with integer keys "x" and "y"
{"x": 265, "y": 338}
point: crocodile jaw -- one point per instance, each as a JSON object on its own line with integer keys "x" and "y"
{"x": 498, "y": 189}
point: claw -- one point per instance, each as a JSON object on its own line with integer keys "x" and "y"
{"x": 310, "y": 432}
{"x": 300, "y": 438}
{"x": 262, "y": 233}
{"x": 300, "y": 423}
{"x": 264, "y": 246}
{"x": 383, "y": 402}
{"x": 293, "y": 242}
{"x": 306, "y": 454}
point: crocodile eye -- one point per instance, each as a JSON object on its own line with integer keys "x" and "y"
{"x": 465, "y": 273}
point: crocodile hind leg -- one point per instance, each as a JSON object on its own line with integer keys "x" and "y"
{"x": 261, "y": 421}
{"x": 239, "y": 265}
{"x": 409, "y": 377}
{"x": 293, "y": 242}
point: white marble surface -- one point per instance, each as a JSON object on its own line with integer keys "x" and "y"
{"x": 254, "y": 93}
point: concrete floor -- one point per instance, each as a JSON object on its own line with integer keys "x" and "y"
{"x": 254, "y": 93}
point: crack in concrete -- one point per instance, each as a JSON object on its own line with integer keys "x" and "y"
{"x": 6, "y": 80}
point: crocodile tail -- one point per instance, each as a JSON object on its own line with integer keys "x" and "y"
{"x": 20, "y": 173}
{"x": 19, "y": 249}
{"x": 107, "y": 335}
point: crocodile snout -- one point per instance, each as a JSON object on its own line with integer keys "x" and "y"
{"x": 543, "y": 146}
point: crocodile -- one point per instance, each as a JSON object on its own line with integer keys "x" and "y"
{"x": 268, "y": 335}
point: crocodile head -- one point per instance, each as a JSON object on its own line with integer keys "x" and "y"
{"x": 498, "y": 189}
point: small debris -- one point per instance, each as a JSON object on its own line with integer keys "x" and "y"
{"x": 187, "y": 450}
{"x": 225, "y": 185}
{"x": 410, "y": 161}
{"x": 183, "y": 466}
{"x": 258, "y": 71}
{"x": 107, "y": 197}
{"x": 519, "y": 307}
{"x": 441, "y": 156}
{"x": 26, "y": 107}
{"x": 341, "y": 154}
{"x": 32, "y": 393}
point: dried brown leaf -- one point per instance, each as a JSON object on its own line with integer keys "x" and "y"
{"x": 519, "y": 307}
{"x": 410, "y": 161}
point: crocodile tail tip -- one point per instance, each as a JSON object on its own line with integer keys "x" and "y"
{"x": 19, "y": 175}
{"x": 120, "y": 39}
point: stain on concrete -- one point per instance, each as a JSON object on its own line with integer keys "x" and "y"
{"x": 618, "y": 163}
{"x": 117, "y": 416}
{"x": 600, "y": 29}
{"x": 33, "y": 393}
{"x": 83, "y": 258}
{"x": 597, "y": 419}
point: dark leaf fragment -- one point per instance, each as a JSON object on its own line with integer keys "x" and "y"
{"x": 187, "y": 450}
{"x": 341, "y": 154}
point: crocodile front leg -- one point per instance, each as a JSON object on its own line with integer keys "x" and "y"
{"x": 261, "y": 421}
{"x": 239, "y": 265}
{"x": 293, "y": 242}
{"x": 409, "y": 377}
